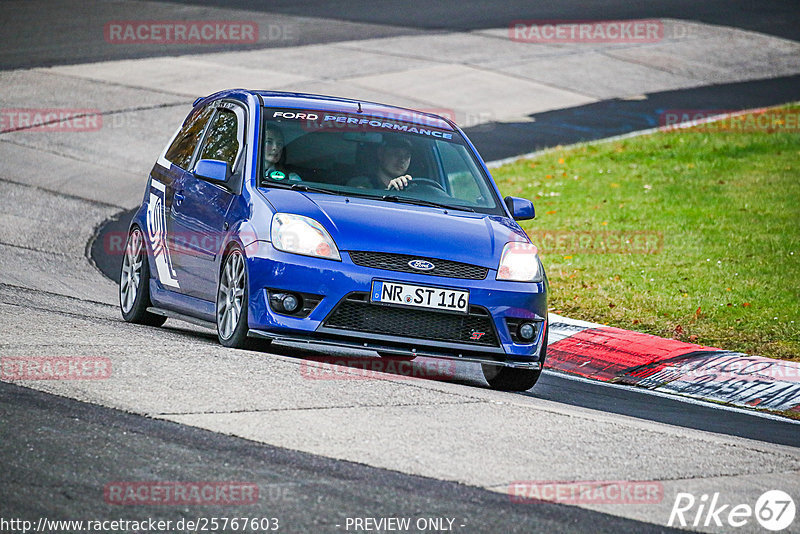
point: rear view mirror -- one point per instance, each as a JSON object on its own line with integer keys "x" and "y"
{"x": 212, "y": 170}
{"x": 521, "y": 208}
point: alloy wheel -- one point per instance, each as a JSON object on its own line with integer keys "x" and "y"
{"x": 230, "y": 297}
{"x": 131, "y": 275}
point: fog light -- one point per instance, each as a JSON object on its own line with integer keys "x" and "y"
{"x": 527, "y": 331}
{"x": 290, "y": 303}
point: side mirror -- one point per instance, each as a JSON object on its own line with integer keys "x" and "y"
{"x": 212, "y": 170}
{"x": 521, "y": 208}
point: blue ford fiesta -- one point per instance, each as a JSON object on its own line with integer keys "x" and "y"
{"x": 295, "y": 217}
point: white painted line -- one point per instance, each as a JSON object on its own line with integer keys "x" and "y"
{"x": 674, "y": 396}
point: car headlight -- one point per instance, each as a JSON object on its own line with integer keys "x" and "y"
{"x": 520, "y": 263}
{"x": 302, "y": 235}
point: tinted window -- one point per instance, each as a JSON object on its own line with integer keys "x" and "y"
{"x": 462, "y": 174}
{"x": 222, "y": 143}
{"x": 181, "y": 150}
{"x": 360, "y": 154}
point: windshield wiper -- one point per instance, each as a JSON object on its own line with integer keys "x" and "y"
{"x": 389, "y": 198}
{"x": 312, "y": 189}
{"x": 301, "y": 187}
{"x": 420, "y": 202}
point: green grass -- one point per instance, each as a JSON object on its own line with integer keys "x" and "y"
{"x": 727, "y": 208}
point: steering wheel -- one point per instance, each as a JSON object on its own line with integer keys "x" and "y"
{"x": 426, "y": 182}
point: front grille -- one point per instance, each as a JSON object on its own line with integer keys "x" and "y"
{"x": 399, "y": 262}
{"x": 355, "y": 312}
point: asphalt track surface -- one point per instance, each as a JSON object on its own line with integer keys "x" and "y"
{"x": 613, "y": 117}
{"x": 778, "y": 18}
{"x": 306, "y": 493}
{"x": 314, "y": 493}
{"x": 41, "y": 34}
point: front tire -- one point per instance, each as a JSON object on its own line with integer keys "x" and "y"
{"x": 232, "y": 300}
{"x": 134, "y": 283}
{"x": 511, "y": 379}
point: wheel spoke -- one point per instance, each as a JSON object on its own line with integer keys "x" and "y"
{"x": 230, "y": 295}
{"x": 130, "y": 277}
{"x": 129, "y": 298}
{"x": 228, "y": 322}
{"x": 229, "y": 272}
{"x": 137, "y": 244}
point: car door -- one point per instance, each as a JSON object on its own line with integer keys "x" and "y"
{"x": 201, "y": 207}
{"x": 166, "y": 176}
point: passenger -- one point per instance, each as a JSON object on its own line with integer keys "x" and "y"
{"x": 275, "y": 157}
{"x": 393, "y": 160}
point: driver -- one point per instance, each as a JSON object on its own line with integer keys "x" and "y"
{"x": 394, "y": 157}
{"x": 275, "y": 156}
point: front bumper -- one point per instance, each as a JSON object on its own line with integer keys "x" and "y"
{"x": 387, "y": 346}
{"x": 337, "y": 282}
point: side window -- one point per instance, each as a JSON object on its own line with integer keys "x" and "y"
{"x": 222, "y": 142}
{"x": 182, "y": 148}
{"x": 462, "y": 183}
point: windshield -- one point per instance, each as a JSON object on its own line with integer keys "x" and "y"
{"x": 369, "y": 156}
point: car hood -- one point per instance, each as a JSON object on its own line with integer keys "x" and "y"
{"x": 381, "y": 226}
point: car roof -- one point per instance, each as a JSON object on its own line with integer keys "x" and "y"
{"x": 281, "y": 99}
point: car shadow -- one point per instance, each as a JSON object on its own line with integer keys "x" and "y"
{"x": 323, "y": 363}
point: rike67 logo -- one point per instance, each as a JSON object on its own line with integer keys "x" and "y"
{"x": 774, "y": 510}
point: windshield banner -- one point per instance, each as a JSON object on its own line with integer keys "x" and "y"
{"x": 402, "y": 122}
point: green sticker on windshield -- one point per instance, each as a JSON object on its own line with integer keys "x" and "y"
{"x": 277, "y": 175}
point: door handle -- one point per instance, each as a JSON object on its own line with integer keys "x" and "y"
{"x": 179, "y": 198}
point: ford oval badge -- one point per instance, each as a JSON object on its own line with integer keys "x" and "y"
{"x": 421, "y": 265}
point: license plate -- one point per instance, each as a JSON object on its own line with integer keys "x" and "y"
{"x": 456, "y": 300}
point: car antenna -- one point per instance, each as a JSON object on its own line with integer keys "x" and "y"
{"x": 359, "y": 107}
